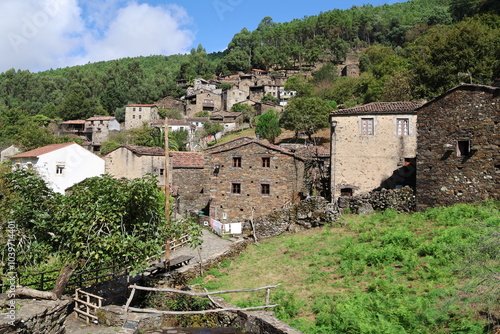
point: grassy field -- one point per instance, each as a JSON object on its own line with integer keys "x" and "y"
{"x": 431, "y": 272}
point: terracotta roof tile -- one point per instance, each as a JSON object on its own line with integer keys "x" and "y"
{"x": 101, "y": 118}
{"x": 42, "y": 150}
{"x": 178, "y": 159}
{"x": 380, "y": 108}
{"x": 74, "y": 122}
{"x": 187, "y": 159}
{"x": 258, "y": 142}
{"x": 141, "y": 105}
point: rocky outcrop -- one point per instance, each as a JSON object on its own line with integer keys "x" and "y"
{"x": 35, "y": 316}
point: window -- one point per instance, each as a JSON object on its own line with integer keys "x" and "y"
{"x": 162, "y": 171}
{"x": 403, "y": 126}
{"x": 266, "y": 162}
{"x": 346, "y": 192}
{"x": 463, "y": 148}
{"x": 59, "y": 169}
{"x": 133, "y": 116}
{"x": 140, "y": 116}
{"x": 133, "y": 109}
{"x": 236, "y": 188}
{"x": 140, "y": 109}
{"x": 367, "y": 126}
{"x": 265, "y": 189}
{"x": 101, "y": 122}
{"x": 237, "y": 162}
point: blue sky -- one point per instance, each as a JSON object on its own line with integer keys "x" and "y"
{"x": 43, "y": 34}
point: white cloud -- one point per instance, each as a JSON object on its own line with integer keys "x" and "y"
{"x": 43, "y": 34}
{"x": 143, "y": 30}
{"x": 35, "y": 34}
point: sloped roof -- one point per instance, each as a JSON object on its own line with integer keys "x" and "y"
{"x": 258, "y": 142}
{"x": 76, "y": 121}
{"x": 101, "y": 118}
{"x": 145, "y": 150}
{"x": 187, "y": 159}
{"x": 179, "y": 159}
{"x": 311, "y": 151}
{"x": 42, "y": 150}
{"x": 141, "y": 105}
{"x": 471, "y": 87}
{"x": 381, "y": 108}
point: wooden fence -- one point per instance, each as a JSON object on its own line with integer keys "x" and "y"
{"x": 198, "y": 294}
{"x": 46, "y": 280}
{"x": 86, "y": 305}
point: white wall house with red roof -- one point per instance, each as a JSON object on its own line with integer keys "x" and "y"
{"x": 61, "y": 165}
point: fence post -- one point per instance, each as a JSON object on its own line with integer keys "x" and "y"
{"x": 268, "y": 295}
{"x": 130, "y": 299}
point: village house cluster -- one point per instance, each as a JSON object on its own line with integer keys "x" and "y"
{"x": 447, "y": 149}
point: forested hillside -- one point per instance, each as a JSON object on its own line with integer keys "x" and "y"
{"x": 407, "y": 51}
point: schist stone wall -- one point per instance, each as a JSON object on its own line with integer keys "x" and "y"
{"x": 191, "y": 189}
{"x": 252, "y": 179}
{"x": 458, "y": 155}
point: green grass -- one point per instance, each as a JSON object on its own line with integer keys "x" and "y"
{"x": 383, "y": 273}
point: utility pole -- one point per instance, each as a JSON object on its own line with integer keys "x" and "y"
{"x": 167, "y": 196}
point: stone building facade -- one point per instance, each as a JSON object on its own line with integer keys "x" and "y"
{"x": 203, "y": 100}
{"x": 251, "y": 178}
{"x": 138, "y": 114}
{"x": 98, "y": 129}
{"x": 187, "y": 175}
{"x": 458, "y": 156}
{"x": 373, "y": 146}
{"x": 131, "y": 162}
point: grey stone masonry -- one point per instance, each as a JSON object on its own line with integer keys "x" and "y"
{"x": 458, "y": 154}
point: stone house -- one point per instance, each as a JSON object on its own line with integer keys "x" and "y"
{"x": 233, "y": 96}
{"x": 229, "y": 120}
{"x": 98, "y": 129}
{"x": 171, "y": 103}
{"x": 373, "y": 146}
{"x": 75, "y": 128}
{"x": 6, "y": 151}
{"x": 138, "y": 114}
{"x": 251, "y": 178}
{"x": 458, "y": 156}
{"x": 187, "y": 176}
{"x": 131, "y": 162}
{"x": 203, "y": 100}
{"x": 61, "y": 165}
{"x": 189, "y": 182}
{"x": 258, "y": 92}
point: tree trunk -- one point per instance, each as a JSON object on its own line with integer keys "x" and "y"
{"x": 29, "y": 292}
{"x": 63, "y": 279}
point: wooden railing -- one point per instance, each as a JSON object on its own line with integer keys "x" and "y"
{"x": 86, "y": 305}
{"x": 46, "y": 280}
{"x": 199, "y": 294}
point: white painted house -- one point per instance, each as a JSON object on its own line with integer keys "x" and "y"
{"x": 61, "y": 165}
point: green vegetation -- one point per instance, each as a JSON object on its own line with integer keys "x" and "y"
{"x": 268, "y": 126}
{"x": 411, "y": 50}
{"x": 430, "y": 272}
{"x": 101, "y": 221}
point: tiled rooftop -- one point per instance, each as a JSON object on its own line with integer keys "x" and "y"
{"x": 380, "y": 108}
{"x": 41, "y": 150}
{"x": 187, "y": 159}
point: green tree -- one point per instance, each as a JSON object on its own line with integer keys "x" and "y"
{"x": 212, "y": 129}
{"x": 248, "y": 112}
{"x": 270, "y": 98}
{"x": 300, "y": 84}
{"x": 305, "y": 114}
{"x": 268, "y": 126}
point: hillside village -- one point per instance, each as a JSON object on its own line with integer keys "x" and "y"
{"x": 380, "y": 145}
{"x": 353, "y": 156}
